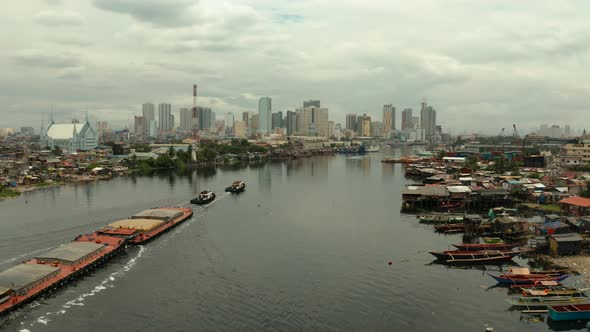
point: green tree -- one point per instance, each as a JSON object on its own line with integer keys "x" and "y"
{"x": 472, "y": 163}
{"x": 586, "y": 191}
{"x": 118, "y": 149}
{"x": 171, "y": 152}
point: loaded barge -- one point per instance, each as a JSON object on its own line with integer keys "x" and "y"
{"x": 22, "y": 283}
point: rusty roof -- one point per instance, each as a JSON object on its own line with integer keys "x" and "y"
{"x": 577, "y": 201}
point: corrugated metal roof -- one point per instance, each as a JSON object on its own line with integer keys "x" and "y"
{"x": 426, "y": 191}
{"x": 72, "y": 252}
{"x": 458, "y": 189}
{"x": 64, "y": 130}
{"x": 569, "y": 237}
{"x": 23, "y": 275}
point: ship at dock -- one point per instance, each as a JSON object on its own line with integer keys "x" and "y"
{"x": 45, "y": 273}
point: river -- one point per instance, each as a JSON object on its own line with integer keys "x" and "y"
{"x": 306, "y": 247}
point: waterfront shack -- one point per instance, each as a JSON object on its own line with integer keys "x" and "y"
{"x": 418, "y": 197}
{"x": 565, "y": 244}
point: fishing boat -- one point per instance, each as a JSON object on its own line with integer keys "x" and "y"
{"x": 517, "y": 279}
{"x": 570, "y": 312}
{"x": 459, "y": 256}
{"x": 553, "y": 291}
{"x": 441, "y": 218}
{"x": 204, "y": 197}
{"x": 544, "y": 302}
{"x": 450, "y": 228}
{"x": 236, "y": 187}
{"x": 372, "y": 148}
{"x": 485, "y": 246}
{"x": 492, "y": 240}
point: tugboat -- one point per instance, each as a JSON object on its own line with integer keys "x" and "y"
{"x": 205, "y": 197}
{"x": 236, "y": 187}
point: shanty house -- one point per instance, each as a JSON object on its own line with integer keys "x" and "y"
{"x": 565, "y": 244}
{"x": 576, "y": 206}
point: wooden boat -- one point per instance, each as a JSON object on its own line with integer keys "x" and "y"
{"x": 436, "y": 218}
{"x": 204, "y": 197}
{"x": 457, "y": 256}
{"x": 544, "y": 302}
{"x": 236, "y": 187}
{"x": 450, "y": 228}
{"x": 553, "y": 291}
{"x": 517, "y": 279}
{"x": 492, "y": 240}
{"x": 485, "y": 246}
{"x": 570, "y": 312}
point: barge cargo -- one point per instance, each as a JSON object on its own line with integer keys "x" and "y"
{"x": 22, "y": 283}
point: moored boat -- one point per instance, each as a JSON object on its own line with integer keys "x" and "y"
{"x": 450, "y": 228}
{"x": 544, "y": 302}
{"x": 553, "y": 291}
{"x": 372, "y": 148}
{"x": 440, "y": 218}
{"x": 485, "y": 246}
{"x": 457, "y": 256}
{"x": 204, "y": 197}
{"x": 236, "y": 187}
{"x": 517, "y": 279}
{"x": 570, "y": 312}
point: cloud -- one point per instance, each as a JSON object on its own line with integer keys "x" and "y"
{"x": 72, "y": 74}
{"x": 157, "y": 12}
{"x": 69, "y": 40}
{"x": 37, "y": 58}
{"x": 56, "y": 18}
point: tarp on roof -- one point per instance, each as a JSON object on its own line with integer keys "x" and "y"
{"x": 22, "y": 275}
{"x": 458, "y": 189}
{"x": 72, "y": 252}
{"x": 576, "y": 201}
{"x": 426, "y": 191}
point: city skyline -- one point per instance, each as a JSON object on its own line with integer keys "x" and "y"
{"x": 529, "y": 72}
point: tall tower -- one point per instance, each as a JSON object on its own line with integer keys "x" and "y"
{"x": 265, "y": 114}
{"x": 195, "y": 114}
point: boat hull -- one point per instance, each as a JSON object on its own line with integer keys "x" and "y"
{"x": 525, "y": 281}
{"x": 569, "y": 312}
{"x": 199, "y": 201}
{"x": 485, "y": 246}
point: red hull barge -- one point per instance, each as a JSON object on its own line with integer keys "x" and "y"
{"x": 146, "y": 225}
{"x": 38, "y": 276}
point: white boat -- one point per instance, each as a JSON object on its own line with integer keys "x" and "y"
{"x": 372, "y": 148}
{"x": 424, "y": 153}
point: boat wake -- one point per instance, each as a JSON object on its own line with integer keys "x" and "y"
{"x": 107, "y": 283}
{"x": 13, "y": 259}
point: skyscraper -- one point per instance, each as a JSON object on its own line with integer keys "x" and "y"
{"x": 164, "y": 117}
{"x": 149, "y": 113}
{"x": 351, "y": 122}
{"x": 246, "y": 119}
{"x": 291, "y": 124}
{"x": 365, "y": 128}
{"x": 427, "y": 121}
{"x": 185, "y": 119}
{"x": 320, "y": 120}
{"x": 407, "y": 119}
{"x": 265, "y": 115}
{"x": 138, "y": 126}
{"x": 277, "y": 120}
{"x": 171, "y": 123}
{"x": 415, "y": 122}
{"x": 311, "y": 103}
{"x": 229, "y": 120}
{"x": 254, "y": 123}
{"x": 388, "y": 120}
{"x": 205, "y": 118}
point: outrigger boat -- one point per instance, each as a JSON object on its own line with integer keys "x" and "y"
{"x": 544, "y": 302}
{"x": 450, "y": 228}
{"x": 441, "y": 218}
{"x": 570, "y": 312}
{"x": 236, "y": 187}
{"x": 205, "y": 197}
{"x": 519, "y": 279}
{"x": 485, "y": 246}
{"x": 459, "y": 256}
{"x": 553, "y": 291}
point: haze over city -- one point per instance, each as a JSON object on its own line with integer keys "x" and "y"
{"x": 480, "y": 73}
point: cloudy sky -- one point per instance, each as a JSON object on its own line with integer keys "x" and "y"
{"x": 483, "y": 64}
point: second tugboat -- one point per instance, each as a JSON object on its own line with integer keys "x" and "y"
{"x": 236, "y": 187}
{"x": 205, "y": 197}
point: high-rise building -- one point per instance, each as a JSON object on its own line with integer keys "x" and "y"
{"x": 377, "y": 129}
{"x": 407, "y": 119}
{"x": 229, "y": 120}
{"x": 265, "y": 113}
{"x": 331, "y": 129}
{"x": 205, "y": 118}
{"x": 311, "y": 103}
{"x": 213, "y": 123}
{"x": 185, "y": 119}
{"x": 388, "y": 120}
{"x": 164, "y": 110}
{"x": 427, "y": 120}
{"x": 365, "y": 128}
{"x": 320, "y": 120}
{"x": 239, "y": 129}
{"x": 254, "y": 123}
{"x": 415, "y": 122}
{"x": 291, "y": 124}
{"x": 148, "y": 110}
{"x": 246, "y": 119}
{"x": 277, "y": 120}
{"x": 171, "y": 123}
{"x": 351, "y": 120}
{"x": 138, "y": 126}
{"x": 153, "y": 128}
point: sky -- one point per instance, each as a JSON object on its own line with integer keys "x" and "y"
{"x": 483, "y": 65}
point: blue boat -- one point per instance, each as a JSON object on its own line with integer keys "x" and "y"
{"x": 519, "y": 279}
{"x": 570, "y": 312}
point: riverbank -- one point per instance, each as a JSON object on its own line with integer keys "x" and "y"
{"x": 577, "y": 264}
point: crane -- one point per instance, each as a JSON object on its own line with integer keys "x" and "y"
{"x": 502, "y": 132}
{"x": 515, "y": 134}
